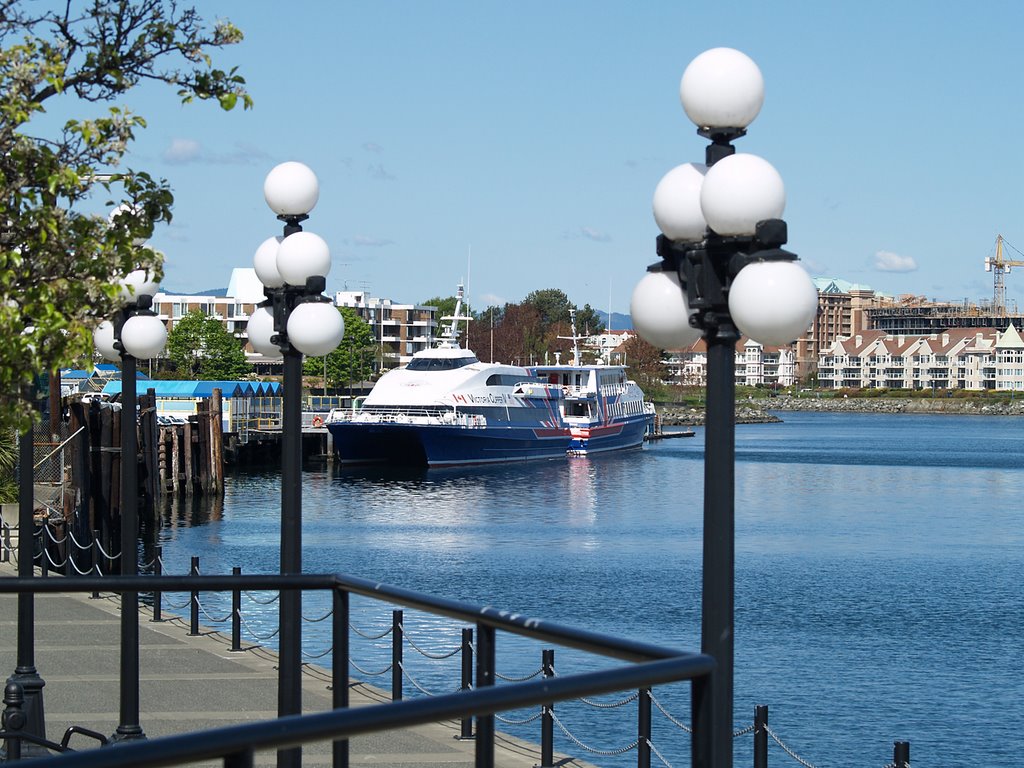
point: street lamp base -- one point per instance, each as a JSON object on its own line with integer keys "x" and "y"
{"x": 127, "y": 733}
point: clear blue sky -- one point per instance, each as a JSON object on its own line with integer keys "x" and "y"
{"x": 533, "y": 134}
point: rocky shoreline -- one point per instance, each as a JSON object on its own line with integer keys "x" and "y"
{"x": 762, "y": 411}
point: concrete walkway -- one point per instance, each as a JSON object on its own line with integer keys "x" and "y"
{"x": 193, "y": 683}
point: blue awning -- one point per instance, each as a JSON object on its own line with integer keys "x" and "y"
{"x": 200, "y": 389}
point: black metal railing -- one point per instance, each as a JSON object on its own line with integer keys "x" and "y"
{"x": 650, "y": 665}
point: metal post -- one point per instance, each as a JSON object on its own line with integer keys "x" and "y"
{"x": 128, "y": 728}
{"x": 158, "y": 596}
{"x": 643, "y": 729}
{"x": 193, "y": 624}
{"x": 13, "y": 721}
{"x": 236, "y": 613}
{"x": 69, "y": 546}
{"x": 901, "y": 754}
{"x": 397, "y": 644}
{"x": 547, "y": 720}
{"x": 289, "y": 694}
{"x": 485, "y": 676}
{"x": 761, "y": 736}
{"x": 719, "y": 530}
{"x": 467, "y": 677}
{"x": 96, "y": 559}
{"x": 339, "y": 665}
{"x": 44, "y": 555}
{"x": 25, "y": 673}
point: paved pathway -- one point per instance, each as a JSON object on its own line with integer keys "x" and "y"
{"x": 191, "y": 683}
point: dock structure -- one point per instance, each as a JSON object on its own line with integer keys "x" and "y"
{"x": 189, "y": 684}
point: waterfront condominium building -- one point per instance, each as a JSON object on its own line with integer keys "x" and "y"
{"x": 957, "y": 358}
{"x": 399, "y": 330}
{"x": 842, "y": 312}
{"x": 756, "y": 365}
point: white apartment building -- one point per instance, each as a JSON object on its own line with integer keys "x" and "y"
{"x": 959, "y": 358}
{"x": 400, "y": 330}
{"x": 756, "y": 365}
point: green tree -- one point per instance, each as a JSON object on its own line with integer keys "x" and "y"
{"x": 200, "y": 347}
{"x": 59, "y": 265}
{"x": 353, "y": 359}
{"x": 644, "y": 361}
{"x": 8, "y": 457}
{"x": 552, "y": 305}
{"x": 445, "y": 307}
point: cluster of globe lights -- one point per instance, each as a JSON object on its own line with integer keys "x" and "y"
{"x": 314, "y": 326}
{"x": 142, "y": 336}
{"x": 772, "y": 302}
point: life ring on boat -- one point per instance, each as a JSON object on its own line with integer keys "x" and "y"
{"x": 317, "y": 421}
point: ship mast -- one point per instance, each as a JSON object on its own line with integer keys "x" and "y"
{"x": 575, "y": 339}
{"x": 450, "y": 336}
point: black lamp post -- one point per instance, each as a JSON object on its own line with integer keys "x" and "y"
{"x": 25, "y": 673}
{"x": 722, "y": 274}
{"x": 136, "y": 334}
{"x": 295, "y": 320}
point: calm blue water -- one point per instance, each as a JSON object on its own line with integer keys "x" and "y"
{"x": 878, "y": 567}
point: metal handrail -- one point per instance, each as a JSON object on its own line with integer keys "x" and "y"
{"x": 295, "y": 730}
{"x": 653, "y": 665}
{"x": 516, "y": 623}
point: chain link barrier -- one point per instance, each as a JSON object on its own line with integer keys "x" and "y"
{"x": 658, "y": 754}
{"x": 428, "y": 654}
{"x": 271, "y": 601}
{"x": 509, "y": 679}
{"x": 588, "y": 748}
{"x": 317, "y": 620}
{"x": 610, "y": 704}
{"x": 677, "y": 723}
{"x": 383, "y": 634}
{"x": 213, "y": 619}
{"x": 787, "y": 750}
{"x": 369, "y": 673}
{"x": 513, "y": 721}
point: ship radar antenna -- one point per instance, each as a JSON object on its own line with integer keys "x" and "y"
{"x": 450, "y": 335}
{"x": 574, "y": 338}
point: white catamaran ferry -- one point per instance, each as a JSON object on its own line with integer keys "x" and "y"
{"x": 447, "y": 408}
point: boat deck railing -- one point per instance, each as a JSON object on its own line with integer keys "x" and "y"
{"x": 426, "y": 415}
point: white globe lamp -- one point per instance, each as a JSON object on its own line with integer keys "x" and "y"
{"x": 291, "y": 189}
{"x": 143, "y": 336}
{"x": 315, "y": 328}
{"x": 131, "y": 211}
{"x": 722, "y": 88}
{"x": 661, "y": 315}
{"x": 261, "y": 329}
{"x": 103, "y": 338}
{"x": 138, "y": 283}
{"x": 739, "y": 191}
{"x": 676, "y": 203}
{"x": 773, "y": 302}
{"x": 264, "y": 261}
{"x": 303, "y": 255}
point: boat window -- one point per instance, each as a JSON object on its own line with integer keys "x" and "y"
{"x": 509, "y": 380}
{"x": 441, "y": 363}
